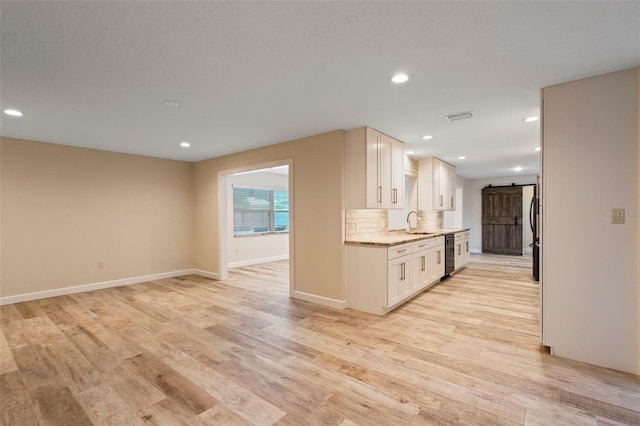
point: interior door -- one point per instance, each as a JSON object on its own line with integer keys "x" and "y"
{"x": 502, "y": 220}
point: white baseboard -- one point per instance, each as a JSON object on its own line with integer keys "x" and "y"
{"x": 256, "y": 261}
{"x": 206, "y": 274}
{"x": 25, "y": 297}
{"x": 526, "y": 251}
{"x": 320, "y": 300}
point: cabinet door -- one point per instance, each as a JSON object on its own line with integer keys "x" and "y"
{"x": 447, "y": 186}
{"x": 384, "y": 172}
{"x": 467, "y": 254}
{"x": 399, "y": 280}
{"x": 374, "y": 194}
{"x": 444, "y": 181}
{"x": 458, "y": 254}
{"x": 397, "y": 174}
{"x": 439, "y": 184}
{"x": 421, "y": 276}
{"x": 451, "y": 187}
{"x": 435, "y": 263}
{"x": 436, "y": 184}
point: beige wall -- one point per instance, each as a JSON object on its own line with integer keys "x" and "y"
{"x": 317, "y": 198}
{"x": 65, "y": 208}
{"x": 590, "y": 276}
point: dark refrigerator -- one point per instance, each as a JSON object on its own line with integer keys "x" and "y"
{"x": 534, "y": 221}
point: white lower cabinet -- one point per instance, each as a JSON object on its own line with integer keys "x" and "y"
{"x": 461, "y": 250}
{"x": 421, "y": 274}
{"x": 435, "y": 260}
{"x": 380, "y": 278}
{"x": 399, "y": 280}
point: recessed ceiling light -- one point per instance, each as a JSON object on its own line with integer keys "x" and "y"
{"x": 517, "y": 168}
{"x": 410, "y": 152}
{"x": 427, "y": 137}
{"x": 536, "y": 148}
{"x": 399, "y": 78}
{"x": 13, "y": 112}
{"x": 530, "y": 119}
{"x": 170, "y": 103}
{"x": 462, "y": 157}
{"x": 185, "y": 144}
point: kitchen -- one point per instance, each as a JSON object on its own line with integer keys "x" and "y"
{"x": 418, "y": 257}
{"x": 100, "y": 194}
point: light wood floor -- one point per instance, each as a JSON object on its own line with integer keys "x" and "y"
{"x": 194, "y": 351}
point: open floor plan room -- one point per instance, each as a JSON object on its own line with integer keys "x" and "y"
{"x": 191, "y": 350}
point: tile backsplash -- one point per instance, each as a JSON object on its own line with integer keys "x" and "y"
{"x": 374, "y": 221}
{"x": 369, "y": 221}
{"x": 430, "y": 219}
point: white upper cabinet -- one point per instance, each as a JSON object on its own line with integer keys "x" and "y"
{"x": 397, "y": 172}
{"x": 374, "y": 170}
{"x": 436, "y": 185}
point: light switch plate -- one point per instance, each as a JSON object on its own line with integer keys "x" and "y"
{"x": 617, "y": 216}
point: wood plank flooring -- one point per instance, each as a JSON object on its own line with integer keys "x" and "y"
{"x": 193, "y": 351}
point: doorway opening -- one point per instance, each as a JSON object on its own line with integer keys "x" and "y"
{"x": 256, "y": 223}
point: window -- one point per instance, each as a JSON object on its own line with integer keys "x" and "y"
{"x": 259, "y": 210}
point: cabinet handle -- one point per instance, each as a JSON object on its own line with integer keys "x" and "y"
{"x": 421, "y": 245}
{"x": 451, "y": 202}
{"x": 459, "y": 249}
{"x": 423, "y": 266}
{"x": 402, "y": 251}
{"x": 402, "y": 271}
{"x": 439, "y": 256}
{"x": 379, "y": 194}
{"x": 394, "y": 199}
{"x": 467, "y": 243}
{"x": 441, "y": 201}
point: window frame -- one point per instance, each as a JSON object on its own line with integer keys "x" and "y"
{"x": 271, "y": 211}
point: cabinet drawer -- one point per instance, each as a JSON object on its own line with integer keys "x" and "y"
{"x": 435, "y": 242}
{"x": 397, "y": 251}
{"x": 420, "y": 245}
{"x": 462, "y": 235}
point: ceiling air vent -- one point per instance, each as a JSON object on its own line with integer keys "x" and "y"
{"x": 459, "y": 116}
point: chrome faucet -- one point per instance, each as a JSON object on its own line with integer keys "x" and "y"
{"x": 409, "y": 223}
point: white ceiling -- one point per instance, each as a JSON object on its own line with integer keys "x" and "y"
{"x": 248, "y": 74}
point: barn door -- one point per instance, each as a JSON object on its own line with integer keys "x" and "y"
{"x": 502, "y": 220}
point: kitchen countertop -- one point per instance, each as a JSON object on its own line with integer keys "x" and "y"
{"x": 392, "y": 238}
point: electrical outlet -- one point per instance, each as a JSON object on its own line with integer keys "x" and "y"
{"x": 100, "y": 264}
{"x": 617, "y": 216}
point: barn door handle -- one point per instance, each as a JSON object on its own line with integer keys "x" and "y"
{"x": 516, "y": 219}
